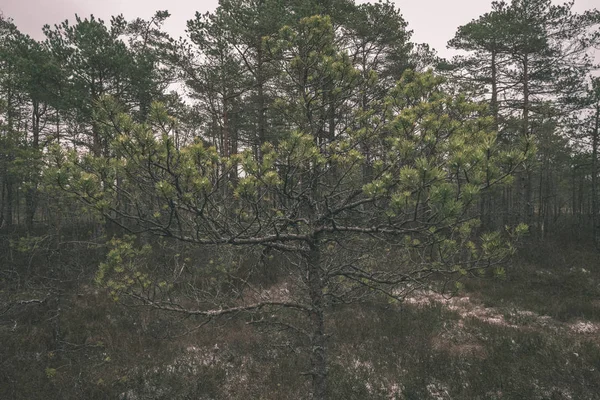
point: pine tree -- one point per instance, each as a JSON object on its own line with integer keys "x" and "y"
{"x": 306, "y": 198}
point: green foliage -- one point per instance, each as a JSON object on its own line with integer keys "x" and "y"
{"x": 125, "y": 267}
{"x": 50, "y": 373}
{"x": 26, "y": 244}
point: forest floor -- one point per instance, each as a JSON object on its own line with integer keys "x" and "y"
{"x": 534, "y": 334}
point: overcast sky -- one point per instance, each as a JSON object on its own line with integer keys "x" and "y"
{"x": 433, "y": 21}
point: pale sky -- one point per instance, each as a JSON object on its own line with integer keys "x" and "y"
{"x": 433, "y": 21}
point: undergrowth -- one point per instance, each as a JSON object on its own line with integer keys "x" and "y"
{"x": 75, "y": 342}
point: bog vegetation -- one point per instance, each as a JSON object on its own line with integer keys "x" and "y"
{"x": 298, "y": 201}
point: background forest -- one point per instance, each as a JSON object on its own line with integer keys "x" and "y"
{"x": 298, "y": 201}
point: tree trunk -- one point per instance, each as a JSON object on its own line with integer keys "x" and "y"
{"x": 494, "y": 103}
{"x": 318, "y": 359}
{"x": 524, "y": 210}
{"x": 2, "y": 192}
{"x": 96, "y": 137}
{"x": 262, "y": 121}
{"x": 57, "y": 128}
{"x": 595, "y": 222}
{"x": 485, "y": 202}
{"x": 225, "y": 129}
{"x": 8, "y": 215}
{"x": 330, "y": 112}
{"x": 541, "y": 217}
{"x": 31, "y": 193}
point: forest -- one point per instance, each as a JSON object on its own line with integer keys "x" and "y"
{"x": 298, "y": 201}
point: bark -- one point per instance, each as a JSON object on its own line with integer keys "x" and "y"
{"x": 494, "y": 102}
{"x": 331, "y": 113}
{"x": 2, "y": 193}
{"x": 31, "y": 193}
{"x": 595, "y": 219}
{"x": 96, "y": 137}
{"x": 367, "y": 169}
{"x": 8, "y": 187}
{"x": 524, "y": 198}
{"x": 486, "y": 197}
{"x": 57, "y": 136}
{"x": 542, "y": 201}
{"x": 225, "y": 130}
{"x": 8, "y": 215}
{"x": 318, "y": 341}
{"x": 262, "y": 121}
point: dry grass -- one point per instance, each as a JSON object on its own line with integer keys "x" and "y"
{"x": 534, "y": 335}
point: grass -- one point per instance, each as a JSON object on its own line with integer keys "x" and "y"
{"x": 559, "y": 281}
{"x": 80, "y": 344}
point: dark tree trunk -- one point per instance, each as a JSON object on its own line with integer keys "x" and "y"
{"x": 318, "y": 358}
{"x": 8, "y": 214}
{"x": 524, "y": 210}
{"x": 262, "y": 120}
{"x": 595, "y": 221}
{"x": 225, "y": 130}
{"x": 494, "y": 102}
{"x": 32, "y": 192}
